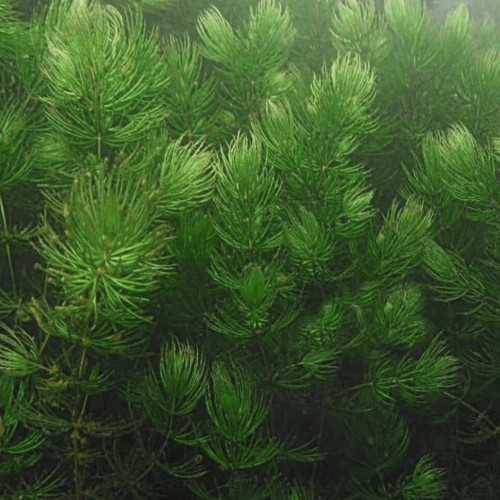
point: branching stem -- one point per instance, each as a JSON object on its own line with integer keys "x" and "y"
{"x": 9, "y": 256}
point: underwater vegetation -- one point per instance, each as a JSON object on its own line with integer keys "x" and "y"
{"x": 250, "y": 249}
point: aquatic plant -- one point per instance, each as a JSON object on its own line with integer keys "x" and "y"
{"x": 231, "y": 270}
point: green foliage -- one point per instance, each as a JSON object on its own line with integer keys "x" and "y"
{"x": 107, "y": 238}
{"x": 178, "y": 389}
{"x": 379, "y": 453}
{"x": 356, "y": 29}
{"x": 192, "y": 95}
{"x": 236, "y": 414}
{"x": 250, "y": 61}
{"x": 182, "y": 373}
{"x": 19, "y": 354}
{"x": 253, "y": 275}
{"x": 398, "y": 244}
{"x": 153, "y": 5}
{"x": 16, "y": 162}
{"x": 416, "y": 381}
{"x": 425, "y": 482}
{"x": 11, "y": 393}
{"x": 400, "y": 320}
{"x": 98, "y": 98}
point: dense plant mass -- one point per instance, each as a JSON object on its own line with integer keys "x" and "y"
{"x": 250, "y": 250}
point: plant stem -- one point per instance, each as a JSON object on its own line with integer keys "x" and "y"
{"x": 78, "y": 411}
{"x": 9, "y": 256}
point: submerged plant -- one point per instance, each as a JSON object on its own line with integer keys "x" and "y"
{"x": 230, "y": 272}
